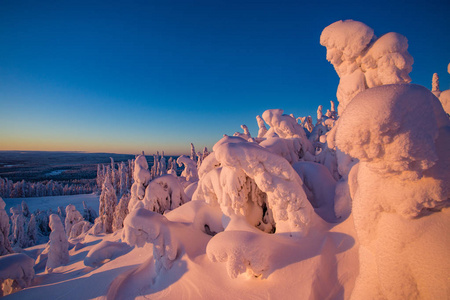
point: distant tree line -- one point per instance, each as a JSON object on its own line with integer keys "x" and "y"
{"x": 23, "y": 189}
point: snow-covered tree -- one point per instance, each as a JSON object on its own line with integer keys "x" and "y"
{"x": 435, "y": 83}
{"x": 5, "y": 246}
{"x": 89, "y": 214}
{"x": 108, "y": 202}
{"x": 362, "y": 61}
{"x": 400, "y": 191}
{"x": 190, "y": 172}
{"x": 255, "y": 183}
{"x": 73, "y": 217}
{"x": 262, "y": 127}
{"x": 163, "y": 194}
{"x": 25, "y": 210}
{"x": 58, "y": 246}
{"x": 18, "y": 236}
{"x": 121, "y": 211}
{"x": 32, "y": 231}
{"x": 193, "y": 154}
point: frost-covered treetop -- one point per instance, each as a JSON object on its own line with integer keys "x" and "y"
{"x": 2, "y": 203}
{"x": 448, "y": 68}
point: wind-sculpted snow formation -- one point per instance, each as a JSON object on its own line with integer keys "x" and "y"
{"x": 257, "y": 184}
{"x": 401, "y": 195}
{"x": 362, "y": 61}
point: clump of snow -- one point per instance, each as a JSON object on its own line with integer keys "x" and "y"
{"x": 400, "y": 191}
{"x": 104, "y": 252}
{"x": 58, "y": 246}
{"x": 16, "y": 272}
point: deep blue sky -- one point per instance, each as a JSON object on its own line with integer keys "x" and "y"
{"x": 107, "y": 76}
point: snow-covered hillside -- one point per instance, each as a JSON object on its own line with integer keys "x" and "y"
{"x": 355, "y": 206}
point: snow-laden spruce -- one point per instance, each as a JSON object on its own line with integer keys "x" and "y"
{"x": 58, "y": 246}
{"x": 108, "y": 202}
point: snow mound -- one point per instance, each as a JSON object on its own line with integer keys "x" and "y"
{"x": 104, "y": 252}
{"x": 16, "y": 272}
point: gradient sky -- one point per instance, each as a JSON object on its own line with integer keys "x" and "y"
{"x": 107, "y": 76}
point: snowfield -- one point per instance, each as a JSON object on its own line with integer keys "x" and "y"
{"x": 356, "y": 206}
